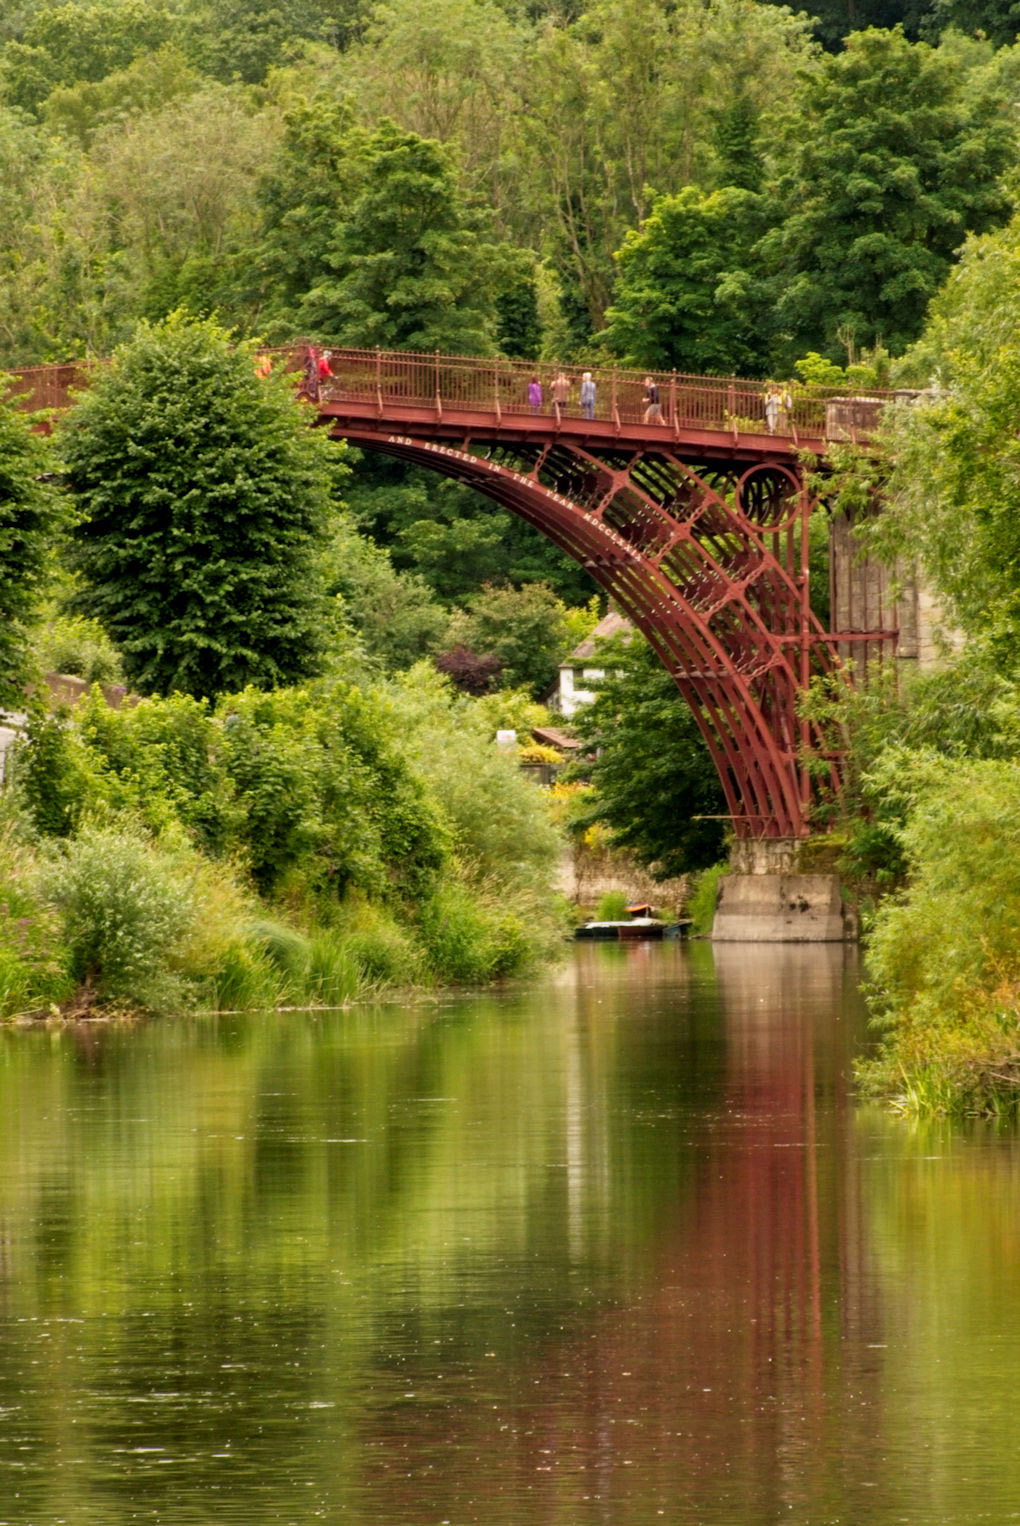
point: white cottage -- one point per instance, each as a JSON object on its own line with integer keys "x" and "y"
{"x": 579, "y": 670}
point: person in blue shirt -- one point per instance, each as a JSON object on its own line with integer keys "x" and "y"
{"x": 587, "y": 396}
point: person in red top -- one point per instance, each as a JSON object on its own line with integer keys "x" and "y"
{"x": 324, "y": 372}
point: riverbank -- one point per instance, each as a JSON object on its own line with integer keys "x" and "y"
{"x": 311, "y": 846}
{"x": 943, "y": 951}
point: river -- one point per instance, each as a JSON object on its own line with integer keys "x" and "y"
{"x": 617, "y": 1246}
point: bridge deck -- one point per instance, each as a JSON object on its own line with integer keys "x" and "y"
{"x": 714, "y": 417}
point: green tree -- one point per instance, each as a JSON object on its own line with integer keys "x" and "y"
{"x": 177, "y": 183}
{"x": 148, "y": 83}
{"x": 202, "y": 495}
{"x": 64, "y": 44}
{"x": 953, "y": 459}
{"x": 453, "y": 537}
{"x": 653, "y": 780}
{"x": 444, "y": 69}
{"x": 408, "y": 269}
{"x": 303, "y": 196}
{"x": 899, "y": 160}
{"x": 29, "y": 515}
{"x": 244, "y": 39}
{"x": 395, "y": 613}
{"x": 687, "y": 294}
{"x": 624, "y": 105}
{"x": 525, "y": 628}
{"x": 518, "y": 325}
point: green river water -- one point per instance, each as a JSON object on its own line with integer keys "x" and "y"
{"x": 615, "y": 1247}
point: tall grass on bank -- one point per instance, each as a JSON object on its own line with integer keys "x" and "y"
{"x": 701, "y": 906}
{"x": 944, "y": 954}
{"x": 33, "y": 968}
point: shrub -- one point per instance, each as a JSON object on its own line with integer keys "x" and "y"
{"x": 126, "y": 907}
{"x": 502, "y": 832}
{"x": 334, "y": 974}
{"x": 54, "y": 776}
{"x": 382, "y": 951}
{"x": 612, "y": 907}
{"x": 33, "y": 969}
{"x": 457, "y": 935}
{"x": 245, "y": 980}
{"x": 285, "y": 950}
{"x": 471, "y": 936}
{"x": 701, "y": 906}
{"x": 72, "y": 644}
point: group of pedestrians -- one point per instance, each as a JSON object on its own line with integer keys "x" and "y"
{"x": 559, "y": 392}
{"x": 317, "y": 371}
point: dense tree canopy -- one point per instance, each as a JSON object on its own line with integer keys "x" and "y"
{"x": 954, "y": 465}
{"x": 881, "y": 195}
{"x": 29, "y": 512}
{"x": 524, "y": 629}
{"x": 688, "y": 295}
{"x": 407, "y": 268}
{"x": 202, "y": 495}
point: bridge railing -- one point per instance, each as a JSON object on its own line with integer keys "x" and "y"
{"x": 50, "y": 389}
{"x": 395, "y": 380}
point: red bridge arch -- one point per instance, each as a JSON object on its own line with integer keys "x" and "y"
{"x": 697, "y": 527}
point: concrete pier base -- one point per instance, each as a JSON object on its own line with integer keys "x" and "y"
{"x": 780, "y": 908}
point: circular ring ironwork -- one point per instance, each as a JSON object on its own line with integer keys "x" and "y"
{"x": 768, "y": 496}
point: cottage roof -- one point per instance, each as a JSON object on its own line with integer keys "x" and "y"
{"x": 553, "y": 736}
{"x": 610, "y": 625}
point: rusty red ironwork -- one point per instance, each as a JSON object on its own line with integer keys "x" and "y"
{"x": 694, "y": 520}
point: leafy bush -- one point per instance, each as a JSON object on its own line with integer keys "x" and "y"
{"x": 461, "y": 943}
{"x": 388, "y": 829}
{"x": 612, "y": 907}
{"x": 944, "y": 954}
{"x": 126, "y": 908}
{"x": 72, "y": 644}
{"x": 54, "y": 775}
{"x": 524, "y": 628}
{"x": 33, "y": 969}
{"x": 701, "y": 906}
{"x": 381, "y": 952}
{"x": 502, "y": 832}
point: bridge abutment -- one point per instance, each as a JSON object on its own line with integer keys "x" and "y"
{"x": 767, "y": 898}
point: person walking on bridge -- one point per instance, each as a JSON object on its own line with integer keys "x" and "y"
{"x": 653, "y": 406}
{"x": 535, "y": 395}
{"x": 311, "y": 376}
{"x": 587, "y": 396}
{"x": 561, "y": 392}
{"x": 324, "y": 370}
{"x": 778, "y": 403}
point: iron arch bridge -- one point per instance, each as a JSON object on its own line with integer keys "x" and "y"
{"x": 695, "y": 521}
{"x": 693, "y": 517}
